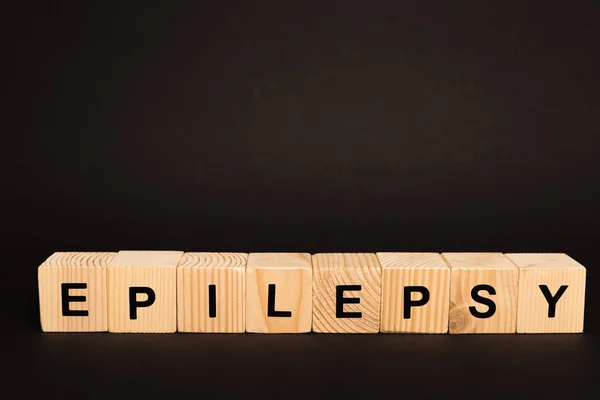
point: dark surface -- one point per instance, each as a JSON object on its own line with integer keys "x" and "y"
{"x": 349, "y": 126}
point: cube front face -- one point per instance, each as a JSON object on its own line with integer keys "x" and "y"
{"x": 347, "y": 293}
{"x": 415, "y": 293}
{"x": 73, "y": 292}
{"x": 551, "y": 293}
{"x": 483, "y": 293}
{"x": 278, "y": 293}
{"x": 211, "y": 295}
{"x": 142, "y": 296}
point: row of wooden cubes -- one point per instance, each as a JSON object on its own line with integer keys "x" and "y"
{"x": 169, "y": 291}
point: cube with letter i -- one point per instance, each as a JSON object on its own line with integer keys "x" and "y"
{"x": 415, "y": 292}
{"x": 551, "y": 293}
{"x": 73, "y": 292}
{"x": 211, "y": 292}
{"x": 483, "y": 293}
{"x": 347, "y": 293}
{"x": 142, "y": 294}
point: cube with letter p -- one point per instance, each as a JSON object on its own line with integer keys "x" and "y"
{"x": 415, "y": 291}
{"x": 143, "y": 292}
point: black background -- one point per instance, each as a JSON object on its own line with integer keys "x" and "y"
{"x": 313, "y": 127}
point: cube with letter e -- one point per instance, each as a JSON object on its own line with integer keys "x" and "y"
{"x": 73, "y": 292}
{"x": 347, "y": 293}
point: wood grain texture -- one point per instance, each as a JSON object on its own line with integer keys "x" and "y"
{"x": 154, "y": 269}
{"x": 471, "y": 269}
{"x": 74, "y": 267}
{"x": 291, "y": 273}
{"x": 333, "y": 269}
{"x": 553, "y": 270}
{"x": 227, "y": 271}
{"x": 400, "y": 270}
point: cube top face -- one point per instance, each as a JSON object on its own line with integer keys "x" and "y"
{"x": 79, "y": 259}
{"x": 279, "y": 260}
{"x": 412, "y": 260}
{"x": 543, "y": 260}
{"x": 551, "y": 293}
{"x": 345, "y": 260}
{"x": 213, "y": 260}
{"x": 479, "y": 261}
{"x": 128, "y": 258}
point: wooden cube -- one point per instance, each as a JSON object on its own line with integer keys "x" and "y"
{"x": 483, "y": 293}
{"x": 72, "y": 290}
{"x": 415, "y": 291}
{"x": 142, "y": 292}
{"x": 347, "y": 293}
{"x": 211, "y": 290}
{"x": 551, "y": 293}
{"x": 278, "y": 293}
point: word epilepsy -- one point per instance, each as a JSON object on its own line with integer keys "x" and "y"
{"x": 173, "y": 291}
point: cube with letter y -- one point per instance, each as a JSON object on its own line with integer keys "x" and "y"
{"x": 483, "y": 293}
{"x": 278, "y": 293}
{"x": 72, "y": 292}
{"x": 347, "y": 293}
{"x": 142, "y": 292}
{"x": 551, "y": 293}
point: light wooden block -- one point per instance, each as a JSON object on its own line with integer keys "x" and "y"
{"x": 278, "y": 293}
{"x": 558, "y": 305}
{"x": 211, "y": 291}
{"x": 483, "y": 293}
{"x": 347, "y": 293}
{"x": 143, "y": 292}
{"x": 415, "y": 292}
{"x": 73, "y": 292}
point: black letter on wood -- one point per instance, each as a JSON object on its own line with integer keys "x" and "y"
{"x": 408, "y": 302}
{"x": 212, "y": 301}
{"x": 134, "y": 304}
{"x": 490, "y": 303}
{"x": 66, "y": 299}
{"x": 340, "y": 300}
{"x": 552, "y": 300}
{"x": 271, "y": 306}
